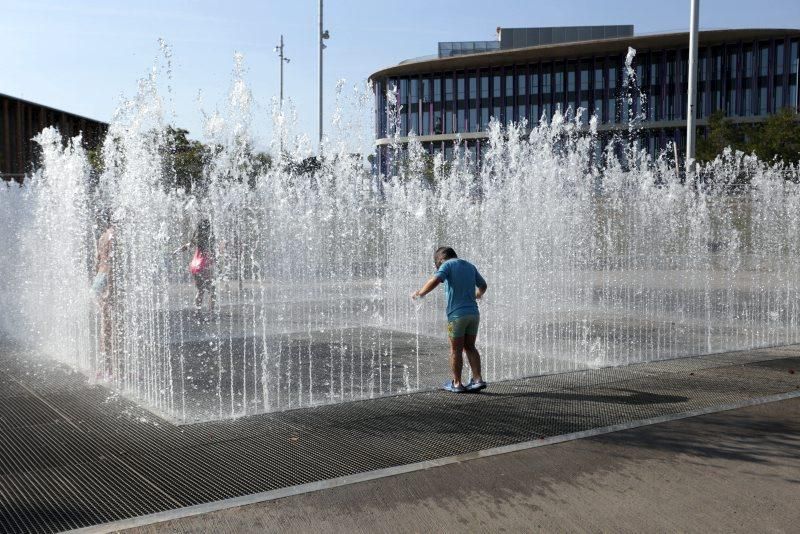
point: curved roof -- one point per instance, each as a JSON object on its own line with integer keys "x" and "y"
{"x": 575, "y": 50}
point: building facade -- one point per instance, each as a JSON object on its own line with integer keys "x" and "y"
{"x": 749, "y": 74}
{"x": 21, "y": 120}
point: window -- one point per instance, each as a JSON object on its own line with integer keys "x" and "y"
{"x": 611, "y": 102}
{"x": 472, "y": 97}
{"x": 449, "y": 103}
{"x": 522, "y": 95}
{"x": 748, "y": 61}
{"x": 558, "y": 89}
{"x": 763, "y": 62}
{"x": 547, "y": 90}
{"x": 777, "y": 84}
{"x": 583, "y": 97}
{"x": 716, "y": 79}
{"x": 427, "y": 107}
{"x": 414, "y": 106}
{"x": 731, "y": 66}
{"x": 497, "y": 95}
{"x": 536, "y": 111}
{"x": 461, "y": 95}
{"x": 793, "y": 101}
{"x": 485, "y": 100}
{"x": 748, "y": 100}
{"x": 702, "y": 83}
{"x": 484, "y": 86}
{"x": 747, "y": 82}
{"x": 438, "y": 110}
{"x": 670, "y": 86}
{"x": 472, "y": 147}
{"x": 639, "y": 72}
{"x": 380, "y": 107}
{"x": 763, "y": 79}
{"x": 656, "y": 96}
{"x": 572, "y": 88}
{"x": 402, "y": 106}
{"x": 508, "y": 112}
{"x": 597, "y": 108}
{"x": 762, "y": 100}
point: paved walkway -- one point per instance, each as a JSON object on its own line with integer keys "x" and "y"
{"x": 734, "y": 471}
{"x": 73, "y": 456}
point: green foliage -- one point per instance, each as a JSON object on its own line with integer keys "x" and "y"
{"x": 262, "y": 162}
{"x": 721, "y": 134}
{"x": 184, "y": 159}
{"x": 308, "y": 166}
{"x": 778, "y": 138}
{"x": 775, "y": 139}
{"x": 95, "y": 158}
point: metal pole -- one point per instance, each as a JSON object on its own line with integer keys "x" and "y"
{"x": 677, "y": 161}
{"x": 691, "y": 115}
{"x": 321, "y": 47}
{"x": 281, "y": 60}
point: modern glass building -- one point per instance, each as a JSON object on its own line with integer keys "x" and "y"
{"x": 747, "y": 73}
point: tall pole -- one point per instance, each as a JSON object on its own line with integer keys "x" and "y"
{"x": 321, "y": 48}
{"x": 691, "y": 112}
{"x": 283, "y": 59}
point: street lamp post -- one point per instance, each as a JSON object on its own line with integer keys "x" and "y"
{"x": 283, "y": 59}
{"x": 323, "y": 34}
{"x": 691, "y": 112}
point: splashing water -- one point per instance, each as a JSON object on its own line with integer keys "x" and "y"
{"x": 591, "y": 261}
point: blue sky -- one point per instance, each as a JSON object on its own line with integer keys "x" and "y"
{"x": 81, "y": 56}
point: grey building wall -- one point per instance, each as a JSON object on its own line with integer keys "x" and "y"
{"x": 522, "y": 37}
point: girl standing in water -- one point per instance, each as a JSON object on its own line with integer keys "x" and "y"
{"x": 202, "y": 264}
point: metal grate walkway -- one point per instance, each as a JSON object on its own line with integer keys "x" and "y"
{"x": 72, "y": 456}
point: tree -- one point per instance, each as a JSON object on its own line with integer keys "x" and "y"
{"x": 721, "y": 134}
{"x": 186, "y": 157}
{"x": 778, "y": 138}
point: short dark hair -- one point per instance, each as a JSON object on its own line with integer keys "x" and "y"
{"x": 443, "y": 254}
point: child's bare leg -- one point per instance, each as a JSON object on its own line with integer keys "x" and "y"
{"x": 456, "y": 359}
{"x": 212, "y": 294}
{"x": 106, "y": 333}
{"x": 473, "y": 356}
{"x": 198, "y": 297}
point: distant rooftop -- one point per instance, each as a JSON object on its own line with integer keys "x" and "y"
{"x": 509, "y": 38}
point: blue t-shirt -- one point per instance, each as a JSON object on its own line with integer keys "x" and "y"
{"x": 460, "y": 279}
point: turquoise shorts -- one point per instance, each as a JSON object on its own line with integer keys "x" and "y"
{"x": 463, "y": 326}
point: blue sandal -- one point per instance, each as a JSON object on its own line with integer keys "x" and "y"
{"x": 449, "y": 386}
{"x": 474, "y": 386}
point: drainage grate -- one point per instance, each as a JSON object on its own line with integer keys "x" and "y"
{"x": 25, "y": 411}
{"x": 72, "y": 455}
{"x": 75, "y": 495}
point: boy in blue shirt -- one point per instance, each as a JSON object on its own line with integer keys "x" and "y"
{"x": 463, "y": 284}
